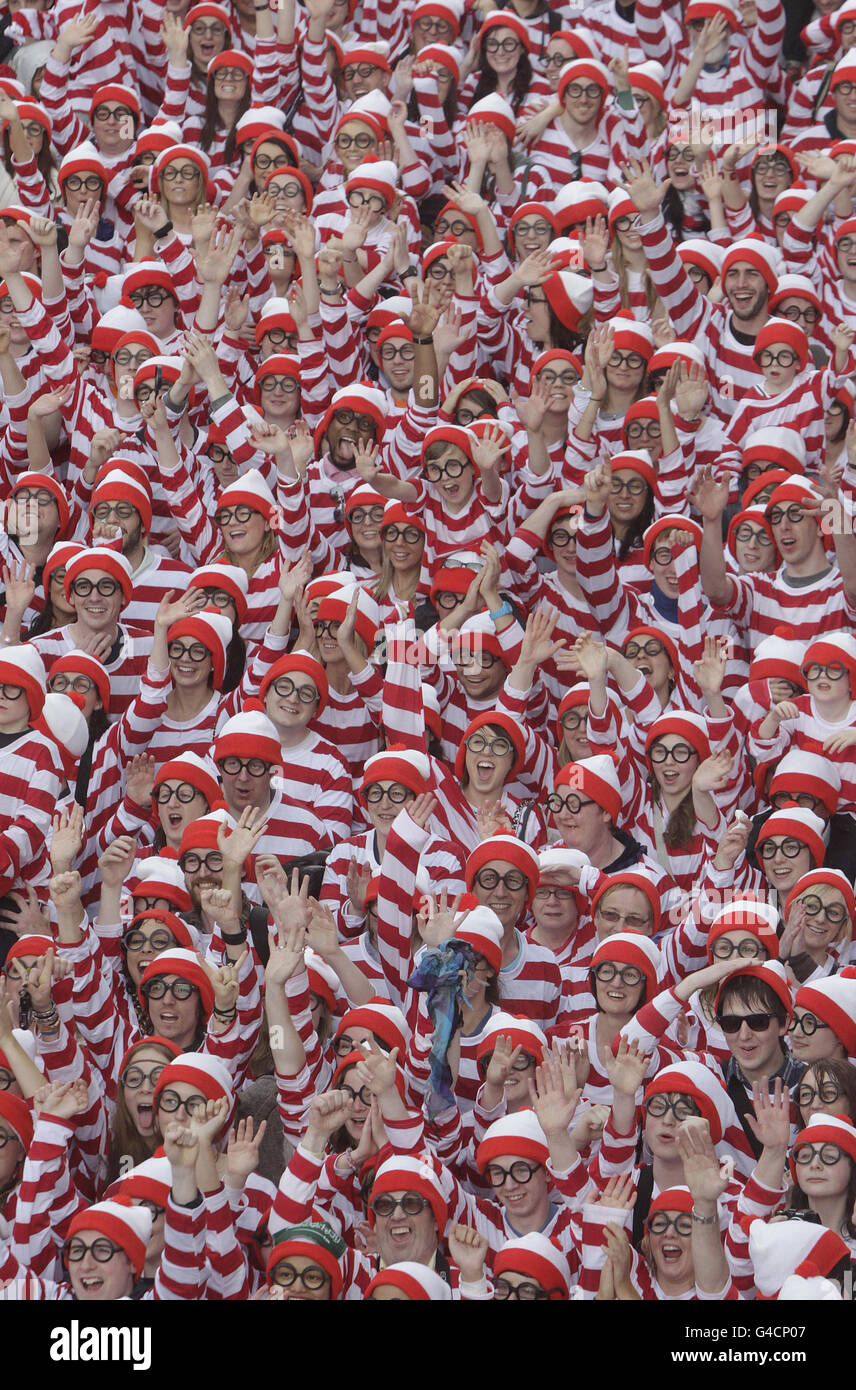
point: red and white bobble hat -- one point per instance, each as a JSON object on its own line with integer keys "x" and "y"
{"x": 778, "y": 1249}
{"x": 399, "y": 764}
{"x": 375, "y": 105}
{"x": 412, "y": 1172}
{"x": 538, "y": 1257}
{"x": 834, "y": 647}
{"x": 649, "y": 77}
{"x": 185, "y": 965}
{"x": 794, "y": 822}
{"x": 230, "y": 578}
{"x": 522, "y": 1032}
{"x": 49, "y": 483}
{"x": 127, "y": 1226}
{"x": 506, "y": 19}
{"x": 483, "y": 930}
{"x": 629, "y": 335}
{"x": 149, "y": 1181}
{"x": 794, "y": 286}
{"x": 160, "y": 877}
{"x": 251, "y": 490}
{"x": 514, "y": 1136}
{"x": 275, "y": 314}
{"x": 376, "y": 175}
{"x": 748, "y": 915}
{"x": 398, "y": 306}
{"x": 779, "y": 655}
{"x": 769, "y": 972}
{"x": 833, "y": 1001}
{"x": 192, "y": 153}
{"x": 23, "y": 667}
{"x": 104, "y": 561}
{"x": 420, "y": 1283}
{"x": 800, "y": 771}
{"x": 214, "y": 631}
{"x": 688, "y": 725}
{"x": 323, "y": 980}
{"x": 375, "y": 53}
{"x": 114, "y": 325}
{"x": 806, "y": 1285}
{"x": 579, "y": 200}
{"x": 778, "y": 333}
{"x": 334, "y": 606}
{"x": 775, "y": 444}
{"x": 668, "y": 523}
{"x": 791, "y": 200}
{"x": 493, "y": 110}
{"x": 204, "y": 832}
{"x": 584, "y": 70}
{"x": 697, "y": 1081}
{"x": 505, "y": 848}
{"x": 559, "y": 861}
{"x": 258, "y": 121}
{"x": 845, "y": 70}
{"x": 121, "y": 487}
{"x": 363, "y": 399}
{"x": 570, "y": 296}
{"x": 62, "y": 721}
{"x": 207, "y": 1074}
{"x": 707, "y": 255}
{"x": 665, "y": 356}
{"x": 440, "y": 53}
{"x": 759, "y": 255}
{"x": 632, "y": 948}
{"x": 383, "y": 1019}
{"x": 595, "y": 777}
{"x": 83, "y": 159}
{"x": 249, "y": 734}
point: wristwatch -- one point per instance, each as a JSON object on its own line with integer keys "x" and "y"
{"x": 505, "y": 611}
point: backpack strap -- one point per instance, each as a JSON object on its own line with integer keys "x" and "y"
{"x": 642, "y": 1205}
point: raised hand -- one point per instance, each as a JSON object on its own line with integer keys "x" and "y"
{"x": 171, "y": 609}
{"x": 140, "y": 779}
{"x": 491, "y": 818}
{"x": 771, "y": 1123}
{"x": 702, "y": 1173}
{"x": 553, "y": 1106}
{"x": 708, "y": 494}
{"x": 468, "y": 1250}
{"x": 538, "y": 645}
{"x": 117, "y": 860}
{"x": 713, "y": 774}
{"x": 62, "y": 1099}
{"x": 237, "y": 845}
{"x": 594, "y": 243}
{"x": 206, "y": 1123}
{"x": 180, "y": 1145}
{"x": 642, "y": 188}
{"x": 242, "y": 1152}
{"x": 226, "y": 983}
{"x": 286, "y": 957}
{"x": 439, "y": 921}
{"x": 66, "y": 838}
{"x": 619, "y": 1193}
{"x": 627, "y": 1067}
{"x": 501, "y": 1064}
{"x": 592, "y": 657}
{"x": 19, "y": 583}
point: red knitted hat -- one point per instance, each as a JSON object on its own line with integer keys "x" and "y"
{"x": 16, "y": 1112}
{"x": 120, "y": 1221}
{"x": 506, "y": 19}
{"x": 702, "y": 1085}
{"x": 689, "y": 726}
{"x": 799, "y": 824}
{"x": 501, "y": 721}
{"x": 769, "y": 972}
{"x": 210, "y": 627}
{"x": 108, "y": 562}
{"x": 166, "y": 919}
{"x": 644, "y": 632}
{"x": 231, "y": 58}
{"x": 507, "y": 849}
{"x": 631, "y": 878}
{"x": 781, "y": 332}
{"x": 632, "y": 948}
{"x": 833, "y": 1001}
{"x": 668, "y": 523}
{"x": 307, "y": 666}
{"x": 744, "y": 914}
{"x": 187, "y": 965}
{"x": 397, "y": 763}
{"x": 825, "y": 1129}
{"x": 595, "y": 778}
{"x": 114, "y": 91}
{"x": 48, "y": 483}
{"x": 382, "y": 1019}
{"x": 829, "y": 878}
{"x": 189, "y": 768}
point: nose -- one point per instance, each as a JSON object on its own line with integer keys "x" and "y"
{"x": 745, "y": 1032}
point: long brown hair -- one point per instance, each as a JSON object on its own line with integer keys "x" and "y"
{"x": 127, "y": 1146}
{"x": 212, "y": 122}
{"x": 621, "y": 269}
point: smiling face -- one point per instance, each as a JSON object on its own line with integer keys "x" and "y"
{"x": 781, "y": 872}
{"x": 522, "y": 1202}
{"x": 756, "y": 1053}
{"x": 507, "y": 903}
{"x": 207, "y": 39}
{"x": 98, "y": 612}
{"x": 655, "y": 666}
{"x": 97, "y": 1282}
{"x": 582, "y": 829}
{"x": 401, "y": 1237}
{"x": 382, "y": 813}
{"x": 176, "y": 1019}
{"x": 454, "y": 489}
{"x": 244, "y": 538}
{"x": 674, "y": 778}
{"x": 817, "y": 1045}
{"x": 820, "y": 932}
{"x": 403, "y": 553}
{"x": 623, "y": 909}
{"x": 672, "y": 1255}
{"x": 556, "y": 912}
{"x": 485, "y": 771}
{"x": 289, "y": 711}
{"x": 746, "y": 291}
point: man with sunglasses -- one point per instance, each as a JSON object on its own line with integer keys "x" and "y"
{"x": 98, "y": 587}
{"x": 754, "y": 1009}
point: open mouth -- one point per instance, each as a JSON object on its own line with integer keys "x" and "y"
{"x": 145, "y": 1117}
{"x": 92, "y": 1284}
{"x": 671, "y": 1253}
